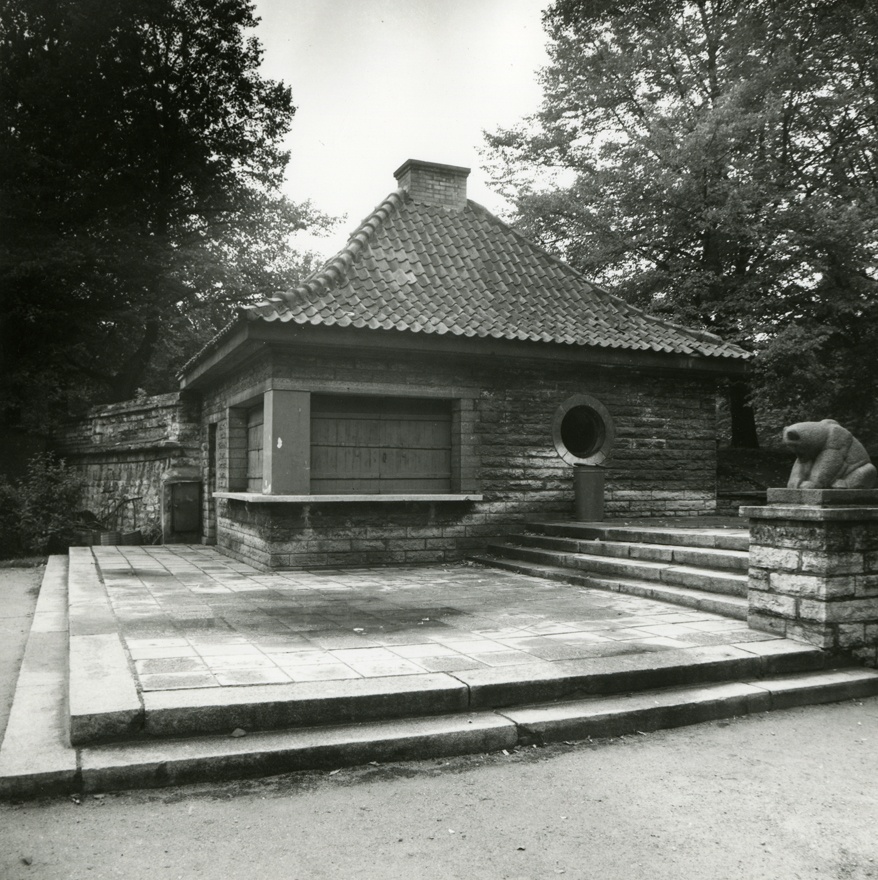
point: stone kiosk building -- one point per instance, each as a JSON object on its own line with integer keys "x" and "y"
{"x": 431, "y": 387}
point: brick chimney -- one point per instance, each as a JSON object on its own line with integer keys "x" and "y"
{"x": 430, "y": 183}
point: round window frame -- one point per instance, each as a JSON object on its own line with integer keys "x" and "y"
{"x": 600, "y": 455}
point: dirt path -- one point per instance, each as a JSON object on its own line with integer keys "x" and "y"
{"x": 784, "y": 795}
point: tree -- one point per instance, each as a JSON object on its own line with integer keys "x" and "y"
{"x": 715, "y": 161}
{"x": 142, "y": 160}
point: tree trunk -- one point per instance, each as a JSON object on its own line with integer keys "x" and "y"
{"x": 742, "y": 416}
{"x": 126, "y": 382}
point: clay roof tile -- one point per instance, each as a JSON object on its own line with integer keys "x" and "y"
{"x": 416, "y": 268}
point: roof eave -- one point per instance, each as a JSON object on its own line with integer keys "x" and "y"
{"x": 278, "y": 333}
{"x": 221, "y": 354}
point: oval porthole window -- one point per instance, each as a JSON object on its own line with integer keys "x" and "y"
{"x": 582, "y": 430}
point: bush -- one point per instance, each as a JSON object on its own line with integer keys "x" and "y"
{"x": 10, "y": 520}
{"x": 39, "y": 512}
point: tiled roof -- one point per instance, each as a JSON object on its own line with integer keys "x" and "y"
{"x": 417, "y": 268}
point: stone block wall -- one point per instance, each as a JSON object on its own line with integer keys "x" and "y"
{"x": 345, "y": 534}
{"x": 122, "y": 450}
{"x": 814, "y": 575}
{"x": 663, "y": 462}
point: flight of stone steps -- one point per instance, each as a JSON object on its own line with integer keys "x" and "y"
{"x": 79, "y": 722}
{"x": 700, "y": 568}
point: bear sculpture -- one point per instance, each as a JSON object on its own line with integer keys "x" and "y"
{"x": 828, "y": 456}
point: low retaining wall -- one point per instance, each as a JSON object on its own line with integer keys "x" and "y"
{"x": 121, "y": 451}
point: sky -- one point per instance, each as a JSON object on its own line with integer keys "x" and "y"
{"x": 377, "y": 82}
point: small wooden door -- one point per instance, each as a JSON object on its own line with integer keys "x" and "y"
{"x": 185, "y": 507}
{"x": 380, "y": 445}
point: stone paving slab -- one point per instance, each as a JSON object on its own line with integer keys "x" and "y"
{"x": 189, "y": 605}
{"x": 242, "y": 648}
{"x": 191, "y": 619}
{"x": 103, "y": 698}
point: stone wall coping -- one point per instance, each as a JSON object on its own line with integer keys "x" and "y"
{"x": 824, "y": 497}
{"x": 258, "y": 498}
{"x": 812, "y": 513}
{"x": 95, "y": 449}
{"x": 157, "y": 401}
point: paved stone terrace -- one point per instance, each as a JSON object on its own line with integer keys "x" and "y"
{"x": 192, "y": 618}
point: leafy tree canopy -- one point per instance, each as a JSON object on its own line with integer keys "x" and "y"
{"x": 141, "y": 163}
{"x": 715, "y": 161}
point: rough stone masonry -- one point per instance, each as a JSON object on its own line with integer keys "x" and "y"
{"x": 814, "y": 568}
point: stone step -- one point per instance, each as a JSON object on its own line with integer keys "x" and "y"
{"x": 704, "y": 579}
{"x": 700, "y": 557}
{"x": 102, "y": 691}
{"x": 186, "y": 736}
{"x": 717, "y": 603}
{"x": 474, "y": 689}
{"x": 723, "y": 539}
{"x": 189, "y": 712}
{"x": 156, "y": 763}
{"x": 675, "y": 707}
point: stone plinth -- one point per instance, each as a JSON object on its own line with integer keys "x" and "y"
{"x": 814, "y": 568}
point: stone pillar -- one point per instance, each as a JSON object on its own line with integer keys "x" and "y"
{"x": 814, "y": 568}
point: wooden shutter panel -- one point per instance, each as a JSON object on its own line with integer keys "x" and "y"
{"x": 377, "y": 445}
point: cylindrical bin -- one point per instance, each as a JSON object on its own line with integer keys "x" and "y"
{"x": 588, "y": 492}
